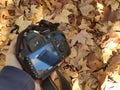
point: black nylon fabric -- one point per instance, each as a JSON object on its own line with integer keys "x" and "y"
{"x": 48, "y": 84}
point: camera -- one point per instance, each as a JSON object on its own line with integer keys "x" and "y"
{"x": 40, "y": 48}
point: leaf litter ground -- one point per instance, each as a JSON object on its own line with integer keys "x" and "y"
{"x": 92, "y": 29}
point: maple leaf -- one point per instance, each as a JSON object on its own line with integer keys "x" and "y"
{"x": 83, "y": 63}
{"x": 22, "y": 23}
{"x": 81, "y": 37}
{"x": 63, "y": 17}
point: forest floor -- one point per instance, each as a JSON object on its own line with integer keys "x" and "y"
{"x": 92, "y": 29}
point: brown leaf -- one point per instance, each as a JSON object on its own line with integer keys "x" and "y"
{"x": 93, "y": 62}
{"x": 85, "y": 24}
{"x": 83, "y": 64}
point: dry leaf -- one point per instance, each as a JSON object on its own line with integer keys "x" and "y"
{"x": 73, "y": 52}
{"x": 76, "y": 85}
{"x": 22, "y": 23}
{"x": 91, "y": 84}
{"x": 17, "y": 2}
{"x": 106, "y": 55}
{"x": 56, "y": 4}
{"x": 63, "y": 17}
{"x": 80, "y": 37}
{"x": 72, "y": 8}
{"x": 85, "y": 24}
{"x": 38, "y": 15}
{"x": 83, "y": 63}
{"x": 34, "y": 9}
{"x": 87, "y": 81}
{"x": 85, "y": 10}
{"x": 102, "y": 28}
{"x": 84, "y": 2}
{"x": 110, "y": 85}
{"x": 100, "y": 7}
{"x": 49, "y": 5}
{"x": 114, "y": 5}
{"x": 93, "y": 62}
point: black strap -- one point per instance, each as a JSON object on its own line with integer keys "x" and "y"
{"x": 48, "y": 84}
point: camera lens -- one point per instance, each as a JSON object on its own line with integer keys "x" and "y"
{"x": 62, "y": 47}
{"x": 56, "y": 41}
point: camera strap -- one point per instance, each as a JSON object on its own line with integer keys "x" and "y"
{"x": 49, "y": 84}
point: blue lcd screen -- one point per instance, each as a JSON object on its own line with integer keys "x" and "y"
{"x": 44, "y": 58}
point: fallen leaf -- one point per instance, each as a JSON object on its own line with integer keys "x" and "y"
{"x": 114, "y": 5}
{"x": 34, "y": 9}
{"x": 87, "y": 81}
{"x": 83, "y": 64}
{"x": 76, "y": 85}
{"x": 81, "y": 37}
{"x": 72, "y": 8}
{"x": 73, "y": 52}
{"x": 85, "y": 10}
{"x": 93, "y": 62}
{"x": 56, "y": 4}
{"x": 106, "y": 55}
{"x": 85, "y": 24}
{"x": 38, "y": 15}
{"x": 49, "y": 5}
{"x": 63, "y": 17}
{"x": 100, "y": 7}
{"x": 22, "y": 23}
{"x": 83, "y": 2}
